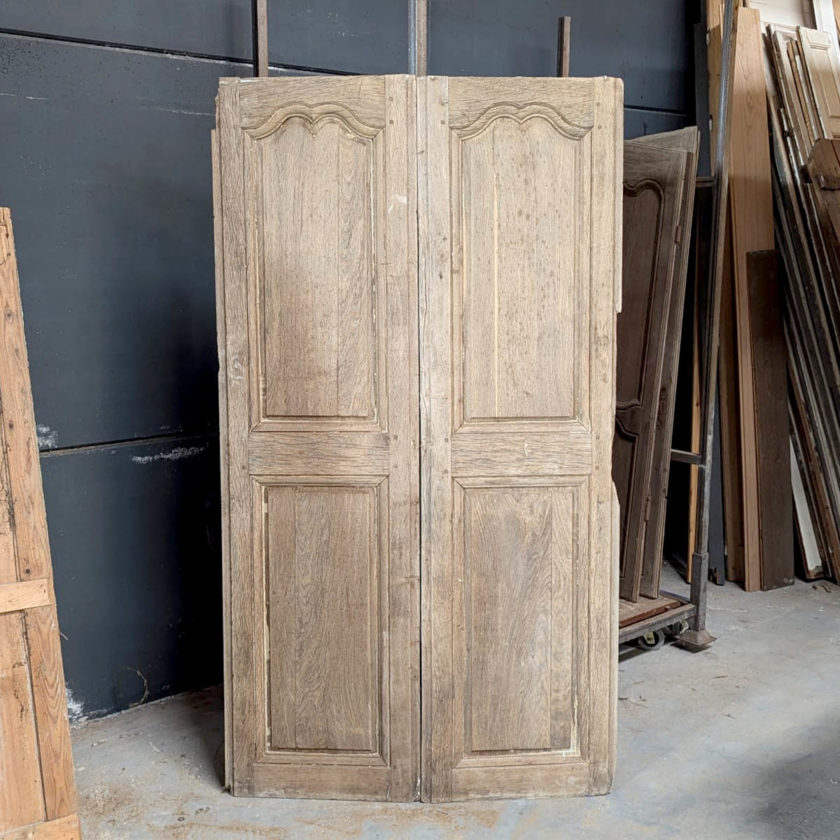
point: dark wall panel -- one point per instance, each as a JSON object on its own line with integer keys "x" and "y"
{"x": 106, "y": 167}
{"x": 134, "y": 531}
{"x": 648, "y": 43}
{"x": 361, "y": 36}
{"x": 639, "y": 123}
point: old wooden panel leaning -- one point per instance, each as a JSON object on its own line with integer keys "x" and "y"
{"x": 654, "y": 182}
{"x": 687, "y": 140}
{"x": 353, "y": 310}
{"x": 519, "y": 281}
{"x": 317, "y": 284}
{"x": 37, "y": 789}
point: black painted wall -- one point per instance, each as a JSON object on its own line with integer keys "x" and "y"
{"x": 105, "y": 114}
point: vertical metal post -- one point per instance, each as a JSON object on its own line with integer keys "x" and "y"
{"x": 564, "y": 45}
{"x": 698, "y": 636}
{"x": 259, "y": 25}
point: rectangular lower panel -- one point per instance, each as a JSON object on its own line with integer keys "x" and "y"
{"x": 518, "y": 548}
{"x": 322, "y": 546}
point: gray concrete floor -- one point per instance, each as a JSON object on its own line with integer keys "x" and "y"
{"x": 739, "y": 741}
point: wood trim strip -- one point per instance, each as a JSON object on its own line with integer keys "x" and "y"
{"x": 66, "y": 828}
{"x": 25, "y": 595}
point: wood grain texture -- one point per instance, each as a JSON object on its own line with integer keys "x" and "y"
{"x": 323, "y": 635}
{"x": 654, "y": 180}
{"x": 316, "y": 216}
{"x": 515, "y": 556}
{"x": 36, "y": 769}
{"x": 772, "y": 426}
{"x": 64, "y": 828}
{"x": 819, "y": 53}
{"x": 15, "y": 597}
{"x": 751, "y": 202}
{"x": 687, "y": 140}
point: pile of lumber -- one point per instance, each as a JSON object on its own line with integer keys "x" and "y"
{"x": 780, "y": 301}
{"x": 803, "y": 85}
{"x": 757, "y": 493}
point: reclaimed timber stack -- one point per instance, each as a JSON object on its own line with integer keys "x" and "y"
{"x": 803, "y": 84}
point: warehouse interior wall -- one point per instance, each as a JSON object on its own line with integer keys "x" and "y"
{"x": 106, "y": 109}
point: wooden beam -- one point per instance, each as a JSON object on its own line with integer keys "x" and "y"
{"x": 751, "y": 200}
{"x": 418, "y": 38}
{"x": 66, "y": 828}
{"x": 260, "y": 27}
{"x": 24, "y": 595}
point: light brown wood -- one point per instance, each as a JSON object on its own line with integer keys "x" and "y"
{"x": 25, "y": 595}
{"x": 64, "y": 828}
{"x": 629, "y": 612}
{"x": 685, "y": 140}
{"x": 819, "y": 53}
{"x": 261, "y": 38}
{"x": 654, "y": 180}
{"x": 318, "y": 346}
{"x": 36, "y": 769}
{"x": 751, "y": 203}
{"x": 519, "y": 284}
{"x": 419, "y": 9}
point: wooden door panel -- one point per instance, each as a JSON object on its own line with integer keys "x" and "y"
{"x": 819, "y": 51}
{"x": 687, "y": 140}
{"x": 653, "y": 187}
{"x": 509, "y": 221}
{"x": 317, "y": 283}
{"x": 518, "y": 289}
{"x": 516, "y": 547}
{"x": 323, "y": 578}
{"x": 315, "y": 182}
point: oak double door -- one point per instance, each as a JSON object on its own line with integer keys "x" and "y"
{"x": 417, "y": 282}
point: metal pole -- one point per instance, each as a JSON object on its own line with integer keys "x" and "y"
{"x": 698, "y": 636}
{"x": 564, "y": 45}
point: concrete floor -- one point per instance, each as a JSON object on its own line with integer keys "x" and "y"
{"x": 739, "y": 741}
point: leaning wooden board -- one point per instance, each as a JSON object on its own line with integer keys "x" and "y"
{"x": 751, "y": 204}
{"x": 520, "y": 279}
{"x": 654, "y": 182}
{"x": 687, "y": 140}
{"x": 329, "y": 323}
{"x": 37, "y": 790}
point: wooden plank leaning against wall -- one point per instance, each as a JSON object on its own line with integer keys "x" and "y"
{"x": 37, "y": 789}
{"x": 654, "y": 181}
{"x": 751, "y": 228}
{"x": 686, "y": 140}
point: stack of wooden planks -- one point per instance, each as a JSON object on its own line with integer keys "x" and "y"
{"x": 659, "y": 180}
{"x": 769, "y": 333}
{"x": 803, "y": 85}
